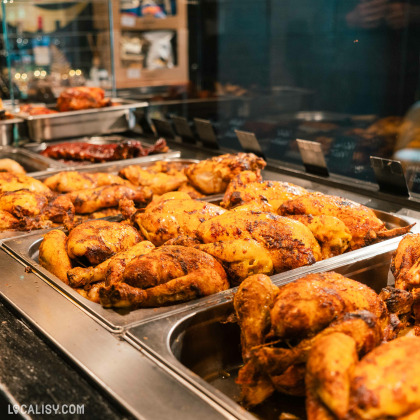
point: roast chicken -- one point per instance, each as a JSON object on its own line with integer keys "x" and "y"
{"x": 382, "y": 385}
{"x": 10, "y": 165}
{"x": 241, "y": 191}
{"x": 405, "y": 267}
{"x": 289, "y": 243}
{"x": 14, "y": 182}
{"x": 83, "y": 97}
{"x": 160, "y": 182}
{"x": 212, "y": 176}
{"x": 166, "y": 275}
{"x": 280, "y": 326}
{"x": 173, "y": 215}
{"x": 364, "y": 226}
{"x": 69, "y": 181}
{"x": 127, "y": 272}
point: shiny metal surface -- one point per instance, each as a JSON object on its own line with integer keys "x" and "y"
{"x": 145, "y": 389}
{"x": 26, "y": 249}
{"x": 31, "y": 162}
{"x": 7, "y": 128}
{"x": 205, "y": 350}
{"x": 112, "y": 119}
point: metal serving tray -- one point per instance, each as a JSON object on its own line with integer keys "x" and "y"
{"x": 7, "y": 130}
{"x": 109, "y": 167}
{"x": 26, "y": 249}
{"x": 112, "y": 119}
{"x": 31, "y": 162}
{"x": 39, "y": 147}
{"x": 205, "y": 350}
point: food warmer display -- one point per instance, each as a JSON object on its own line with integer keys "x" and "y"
{"x": 189, "y": 348}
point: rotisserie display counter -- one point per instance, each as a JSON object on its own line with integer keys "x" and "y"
{"x": 179, "y": 362}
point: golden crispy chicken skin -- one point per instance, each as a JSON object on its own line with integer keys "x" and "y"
{"x": 253, "y": 302}
{"x": 99, "y": 240}
{"x": 306, "y": 306}
{"x": 405, "y": 257}
{"x": 273, "y": 192}
{"x": 82, "y": 97}
{"x": 168, "y": 217}
{"x": 289, "y": 243}
{"x": 109, "y": 271}
{"x": 13, "y": 182}
{"x": 69, "y": 181}
{"x": 166, "y": 275}
{"x": 8, "y": 221}
{"x": 212, "y": 176}
{"x": 365, "y": 228}
{"x": 159, "y": 183}
{"x": 90, "y": 200}
{"x": 383, "y": 385}
{"x": 240, "y": 258}
{"x": 280, "y": 326}
{"x": 331, "y": 233}
{"x": 10, "y": 165}
{"x": 53, "y": 254}
{"x": 23, "y": 203}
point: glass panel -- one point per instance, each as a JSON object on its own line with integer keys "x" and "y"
{"x": 55, "y": 44}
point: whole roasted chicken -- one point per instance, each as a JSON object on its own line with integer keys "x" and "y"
{"x": 279, "y": 327}
{"x": 82, "y": 97}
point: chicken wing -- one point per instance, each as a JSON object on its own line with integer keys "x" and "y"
{"x": 166, "y": 275}
{"x": 365, "y": 228}
{"x": 212, "y": 176}
{"x": 98, "y": 240}
{"x": 88, "y": 201}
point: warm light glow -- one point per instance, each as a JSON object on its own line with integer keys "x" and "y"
{"x": 17, "y": 76}
{"x": 43, "y": 73}
{"x": 72, "y": 73}
{"x": 37, "y": 73}
{"x": 78, "y": 72}
{"x": 24, "y": 76}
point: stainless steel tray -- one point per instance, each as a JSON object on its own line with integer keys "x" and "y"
{"x": 26, "y": 249}
{"x": 31, "y": 162}
{"x": 112, "y": 119}
{"x": 109, "y": 167}
{"x": 205, "y": 351}
{"x": 6, "y": 130}
{"x": 39, "y": 147}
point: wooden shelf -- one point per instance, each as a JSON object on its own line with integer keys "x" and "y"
{"x": 134, "y": 75}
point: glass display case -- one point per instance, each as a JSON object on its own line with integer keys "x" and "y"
{"x": 49, "y": 45}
